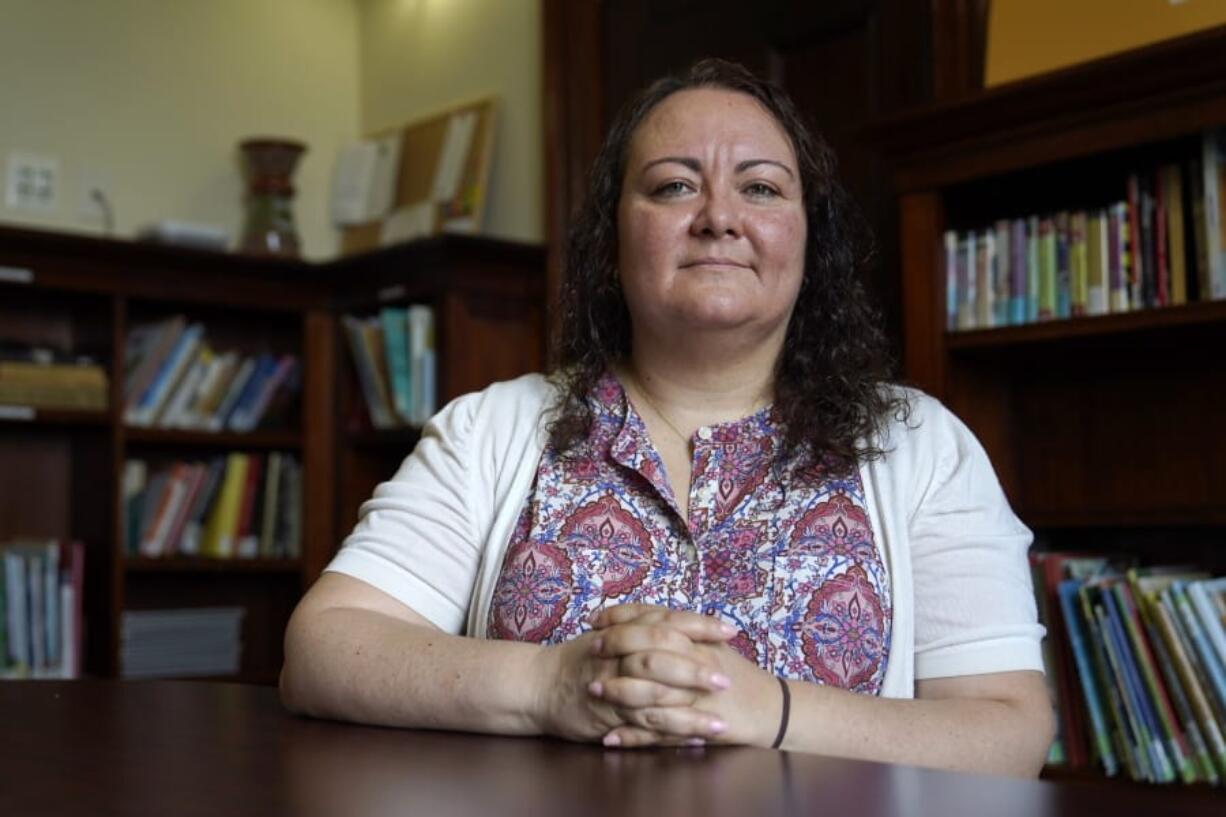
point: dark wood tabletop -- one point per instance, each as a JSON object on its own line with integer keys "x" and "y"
{"x": 188, "y": 748}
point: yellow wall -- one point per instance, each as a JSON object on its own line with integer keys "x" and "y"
{"x": 152, "y": 96}
{"x": 1027, "y": 37}
{"x": 419, "y": 56}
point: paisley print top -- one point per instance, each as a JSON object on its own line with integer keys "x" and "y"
{"x": 784, "y": 553}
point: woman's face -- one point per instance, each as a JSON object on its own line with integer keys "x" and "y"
{"x": 711, "y": 218}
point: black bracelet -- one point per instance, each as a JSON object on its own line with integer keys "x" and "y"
{"x": 783, "y": 719}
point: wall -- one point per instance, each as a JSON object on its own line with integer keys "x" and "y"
{"x": 419, "y": 56}
{"x": 1027, "y": 37}
{"x": 150, "y": 98}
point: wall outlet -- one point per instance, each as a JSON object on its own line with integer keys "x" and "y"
{"x": 32, "y": 182}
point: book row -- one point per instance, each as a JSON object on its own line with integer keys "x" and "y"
{"x": 173, "y": 378}
{"x": 41, "y": 620}
{"x": 1162, "y": 244}
{"x": 1138, "y": 660}
{"x": 239, "y": 505}
{"x": 393, "y": 354}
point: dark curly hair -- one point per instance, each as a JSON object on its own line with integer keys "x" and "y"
{"x": 831, "y": 373}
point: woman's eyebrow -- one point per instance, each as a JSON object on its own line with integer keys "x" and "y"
{"x": 751, "y": 163}
{"x": 696, "y": 166}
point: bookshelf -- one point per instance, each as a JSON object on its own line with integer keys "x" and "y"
{"x": 1105, "y": 430}
{"x": 62, "y": 470}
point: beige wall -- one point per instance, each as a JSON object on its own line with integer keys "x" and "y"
{"x": 419, "y": 56}
{"x": 151, "y": 96}
{"x": 1027, "y": 37}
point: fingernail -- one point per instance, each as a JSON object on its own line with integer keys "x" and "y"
{"x": 727, "y": 629}
{"x": 695, "y": 742}
{"x": 720, "y": 681}
{"x": 597, "y": 645}
{"x": 717, "y": 727}
{"x": 596, "y": 688}
{"x": 612, "y": 740}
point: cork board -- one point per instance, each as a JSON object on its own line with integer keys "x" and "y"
{"x": 444, "y": 169}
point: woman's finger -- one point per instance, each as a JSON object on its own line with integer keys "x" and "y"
{"x": 624, "y": 639}
{"x": 635, "y": 737}
{"x": 673, "y": 669}
{"x": 675, "y": 721}
{"x": 694, "y": 626}
{"x": 637, "y": 693}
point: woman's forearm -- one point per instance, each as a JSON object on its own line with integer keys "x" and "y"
{"x": 1006, "y": 736}
{"x": 359, "y": 665}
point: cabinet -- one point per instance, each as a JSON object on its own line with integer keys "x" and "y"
{"x": 61, "y": 471}
{"x": 1105, "y": 431}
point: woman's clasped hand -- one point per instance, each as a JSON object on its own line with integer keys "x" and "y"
{"x": 647, "y": 676}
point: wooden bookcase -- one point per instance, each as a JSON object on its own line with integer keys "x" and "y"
{"x": 1103, "y": 430}
{"x": 1106, "y": 432}
{"x": 60, "y": 472}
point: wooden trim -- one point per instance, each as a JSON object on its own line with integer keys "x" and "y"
{"x": 574, "y": 121}
{"x": 923, "y": 289}
{"x": 319, "y": 399}
{"x": 959, "y": 47}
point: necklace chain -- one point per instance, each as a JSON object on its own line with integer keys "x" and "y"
{"x": 641, "y": 389}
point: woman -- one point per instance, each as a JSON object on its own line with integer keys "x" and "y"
{"x": 716, "y": 522}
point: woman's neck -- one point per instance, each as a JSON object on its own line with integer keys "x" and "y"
{"x": 695, "y": 385}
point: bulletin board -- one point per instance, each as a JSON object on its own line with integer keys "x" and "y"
{"x": 443, "y": 171}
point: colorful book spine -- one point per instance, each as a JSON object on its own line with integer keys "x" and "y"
{"x": 1085, "y": 675}
{"x": 1017, "y": 272}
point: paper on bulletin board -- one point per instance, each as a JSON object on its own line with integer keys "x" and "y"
{"x": 442, "y": 179}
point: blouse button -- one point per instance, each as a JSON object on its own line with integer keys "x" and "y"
{"x": 704, "y": 433}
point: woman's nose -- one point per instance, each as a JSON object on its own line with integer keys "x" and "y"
{"x": 717, "y": 216}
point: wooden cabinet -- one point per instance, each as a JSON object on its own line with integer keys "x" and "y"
{"x": 61, "y": 471}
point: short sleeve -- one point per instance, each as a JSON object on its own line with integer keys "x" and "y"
{"x": 974, "y": 603}
{"x": 415, "y": 538}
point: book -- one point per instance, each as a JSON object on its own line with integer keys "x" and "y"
{"x": 1213, "y": 190}
{"x": 234, "y": 390}
{"x": 1175, "y": 246}
{"x": 189, "y": 541}
{"x": 1117, "y": 257}
{"x": 1167, "y": 723}
{"x": 1047, "y": 269}
{"x": 1078, "y": 263}
{"x": 951, "y": 281}
{"x": 422, "y": 362}
{"x": 245, "y": 544}
{"x": 150, "y": 403}
{"x": 394, "y": 322}
{"x": 1136, "y": 255}
{"x": 217, "y": 538}
{"x": 376, "y": 405}
{"x": 154, "y": 343}
{"x": 268, "y": 520}
{"x": 1100, "y": 729}
{"x": 985, "y": 287}
{"x": 1000, "y": 274}
{"x": 1096, "y": 263}
{"x": 1017, "y": 272}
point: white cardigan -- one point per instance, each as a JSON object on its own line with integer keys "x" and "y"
{"x": 435, "y": 535}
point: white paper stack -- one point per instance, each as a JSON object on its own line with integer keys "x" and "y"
{"x": 181, "y": 642}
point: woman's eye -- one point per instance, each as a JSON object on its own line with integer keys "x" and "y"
{"x": 761, "y": 190}
{"x": 673, "y": 188}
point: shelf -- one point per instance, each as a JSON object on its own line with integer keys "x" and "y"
{"x": 208, "y": 439}
{"x": 185, "y": 564}
{"x": 26, "y": 415}
{"x": 389, "y": 437}
{"x": 1153, "y": 518}
{"x": 1098, "y": 325}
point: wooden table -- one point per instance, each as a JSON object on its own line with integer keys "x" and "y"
{"x": 188, "y": 748}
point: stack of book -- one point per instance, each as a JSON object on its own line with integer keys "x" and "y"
{"x": 1160, "y": 244}
{"x": 43, "y": 378}
{"x": 183, "y": 642}
{"x": 41, "y": 621}
{"x": 393, "y": 353}
{"x": 173, "y": 378}
{"x": 238, "y": 505}
{"x": 1138, "y": 662}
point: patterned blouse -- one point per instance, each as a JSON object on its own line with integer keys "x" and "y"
{"x": 785, "y": 554}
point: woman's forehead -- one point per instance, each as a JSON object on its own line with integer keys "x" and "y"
{"x": 697, "y": 120}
